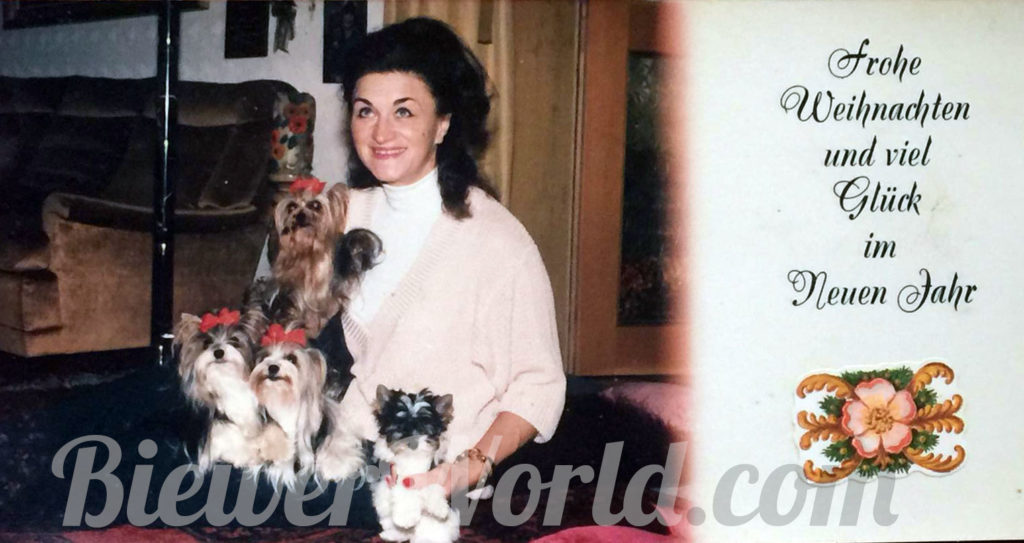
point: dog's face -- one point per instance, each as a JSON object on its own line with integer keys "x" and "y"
{"x": 287, "y": 375}
{"x": 213, "y": 361}
{"x": 305, "y": 220}
{"x": 412, "y": 420}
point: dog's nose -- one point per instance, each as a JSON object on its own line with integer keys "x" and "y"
{"x": 301, "y": 219}
{"x": 414, "y": 443}
{"x": 272, "y": 369}
{"x": 218, "y": 353}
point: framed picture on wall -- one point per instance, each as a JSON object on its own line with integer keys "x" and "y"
{"x": 344, "y": 23}
{"x": 246, "y": 26}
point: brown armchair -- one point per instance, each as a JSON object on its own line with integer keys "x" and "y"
{"x": 77, "y": 159}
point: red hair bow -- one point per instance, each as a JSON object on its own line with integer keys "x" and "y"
{"x": 224, "y": 317}
{"x": 311, "y": 184}
{"x": 276, "y": 334}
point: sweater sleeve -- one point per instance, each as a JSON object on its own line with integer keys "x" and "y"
{"x": 525, "y": 347}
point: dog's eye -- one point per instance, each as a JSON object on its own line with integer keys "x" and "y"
{"x": 291, "y": 207}
{"x": 293, "y": 359}
{"x": 234, "y": 342}
{"x": 314, "y": 205}
{"x": 207, "y": 342}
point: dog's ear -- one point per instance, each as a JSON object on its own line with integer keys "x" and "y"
{"x": 443, "y": 405}
{"x": 357, "y": 252}
{"x": 311, "y": 402}
{"x": 320, "y": 371}
{"x": 280, "y": 214}
{"x": 337, "y": 198}
{"x": 254, "y": 324}
{"x": 186, "y": 329}
{"x": 257, "y": 358}
{"x": 383, "y": 395}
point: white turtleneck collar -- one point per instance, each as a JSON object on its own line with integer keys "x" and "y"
{"x": 423, "y": 195}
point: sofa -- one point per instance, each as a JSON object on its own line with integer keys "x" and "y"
{"x": 77, "y": 163}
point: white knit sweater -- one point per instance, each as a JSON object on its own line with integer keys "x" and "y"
{"x": 473, "y": 317}
{"x": 402, "y": 219}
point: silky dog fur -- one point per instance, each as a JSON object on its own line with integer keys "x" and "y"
{"x": 317, "y": 264}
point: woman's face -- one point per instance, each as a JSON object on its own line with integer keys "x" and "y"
{"x": 395, "y": 127}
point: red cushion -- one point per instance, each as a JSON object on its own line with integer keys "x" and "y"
{"x": 604, "y": 534}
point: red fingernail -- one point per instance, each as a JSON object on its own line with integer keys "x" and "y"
{"x": 407, "y": 482}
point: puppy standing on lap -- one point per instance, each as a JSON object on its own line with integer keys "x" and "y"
{"x": 317, "y": 263}
{"x": 412, "y": 439}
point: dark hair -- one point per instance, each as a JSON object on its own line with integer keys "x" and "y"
{"x": 432, "y": 51}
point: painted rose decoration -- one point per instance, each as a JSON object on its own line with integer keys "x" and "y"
{"x": 878, "y": 418}
{"x": 291, "y": 140}
{"x": 879, "y": 421}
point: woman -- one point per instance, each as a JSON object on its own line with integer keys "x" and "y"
{"x": 461, "y": 303}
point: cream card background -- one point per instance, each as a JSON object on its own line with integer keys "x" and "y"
{"x": 761, "y": 205}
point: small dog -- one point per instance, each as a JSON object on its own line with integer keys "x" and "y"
{"x": 288, "y": 382}
{"x": 215, "y": 359}
{"x": 316, "y": 264}
{"x": 412, "y": 438}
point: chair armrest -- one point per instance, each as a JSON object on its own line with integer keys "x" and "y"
{"x": 98, "y": 212}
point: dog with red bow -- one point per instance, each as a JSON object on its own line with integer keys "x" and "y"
{"x": 215, "y": 356}
{"x": 288, "y": 381}
{"x": 315, "y": 263}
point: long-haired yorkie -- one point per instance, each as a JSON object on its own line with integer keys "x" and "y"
{"x": 316, "y": 263}
{"x": 215, "y": 355}
{"x": 412, "y": 438}
{"x": 288, "y": 382}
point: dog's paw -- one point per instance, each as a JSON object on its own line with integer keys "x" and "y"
{"x": 393, "y": 534}
{"x": 435, "y": 503}
{"x": 406, "y": 513}
{"x": 332, "y": 467}
{"x": 281, "y": 475}
{"x": 259, "y": 292}
{"x": 227, "y": 444}
{"x": 241, "y": 458}
{"x": 274, "y": 445}
{"x": 382, "y": 501}
{"x": 434, "y": 532}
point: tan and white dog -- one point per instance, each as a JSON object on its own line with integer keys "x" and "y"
{"x": 288, "y": 381}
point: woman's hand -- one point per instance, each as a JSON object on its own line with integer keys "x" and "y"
{"x": 450, "y": 476}
{"x": 507, "y": 433}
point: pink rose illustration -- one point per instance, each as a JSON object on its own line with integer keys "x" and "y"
{"x": 878, "y": 416}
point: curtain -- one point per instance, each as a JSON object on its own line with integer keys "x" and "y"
{"x": 486, "y": 27}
